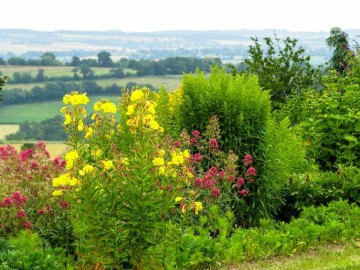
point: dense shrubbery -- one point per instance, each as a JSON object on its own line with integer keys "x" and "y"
{"x": 180, "y": 180}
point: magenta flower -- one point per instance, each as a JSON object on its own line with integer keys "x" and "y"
{"x": 21, "y": 214}
{"x": 251, "y": 171}
{"x": 244, "y": 192}
{"x": 247, "y": 160}
{"x": 196, "y": 134}
{"x": 240, "y": 182}
{"x": 177, "y": 144}
{"x": 6, "y": 202}
{"x": 27, "y": 225}
{"x": 192, "y": 141}
{"x": 215, "y": 193}
{"x": 214, "y": 144}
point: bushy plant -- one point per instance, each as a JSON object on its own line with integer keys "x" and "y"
{"x": 25, "y": 194}
{"x": 121, "y": 180}
{"x": 26, "y": 252}
{"x": 247, "y": 127}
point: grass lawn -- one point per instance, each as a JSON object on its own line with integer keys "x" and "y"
{"x": 15, "y": 114}
{"x": 331, "y": 257}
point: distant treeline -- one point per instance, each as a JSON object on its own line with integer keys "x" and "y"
{"x": 48, "y": 130}
{"x": 56, "y": 90}
{"x": 171, "y": 65}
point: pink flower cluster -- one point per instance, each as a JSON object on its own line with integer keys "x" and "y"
{"x": 14, "y": 199}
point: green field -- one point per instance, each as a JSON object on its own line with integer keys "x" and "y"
{"x": 170, "y": 82}
{"x": 50, "y": 71}
{"x": 37, "y": 112}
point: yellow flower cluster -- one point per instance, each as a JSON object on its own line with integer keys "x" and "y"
{"x": 70, "y": 158}
{"x": 177, "y": 158}
{"x": 197, "y": 206}
{"x": 74, "y": 98}
{"x": 107, "y": 164}
{"x": 86, "y": 170}
{"x": 65, "y": 180}
{"x": 105, "y": 106}
{"x": 142, "y": 111}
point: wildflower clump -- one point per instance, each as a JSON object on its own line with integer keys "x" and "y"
{"x": 121, "y": 179}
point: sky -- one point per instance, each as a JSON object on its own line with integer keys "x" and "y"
{"x": 157, "y": 15}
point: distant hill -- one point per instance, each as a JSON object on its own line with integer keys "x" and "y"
{"x": 230, "y": 46}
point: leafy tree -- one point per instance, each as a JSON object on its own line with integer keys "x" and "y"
{"x": 117, "y": 72}
{"x": 75, "y": 61}
{"x": 104, "y": 59}
{"x": 17, "y": 61}
{"x": 285, "y": 70}
{"x": 40, "y": 77}
{"x": 75, "y": 71}
{"x": 339, "y": 41}
{"x": 2, "y": 83}
{"x": 86, "y": 71}
{"x": 49, "y": 59}
{"x": 2, "y": 61}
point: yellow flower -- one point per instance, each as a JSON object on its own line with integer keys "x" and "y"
{"x": 158, "y": 161}
{"x": 136, "y": 95}
{"x": 74, "y": 98}
{"x": 108, "y": 164}
{"x": 96, "y": 153}
{"x": 198, "y": 207}
{"x": 58, "y": 192}
{"x": 67, "y": 119}
{"x": 130, "y": 109}
{"x": 154, "y": 125}
{"x": 80, "y": 126}
{"x": 64, "y": 180}
{"x": 64, "y": 109}
{"x": 178, "y": 199}
{"x": 186, "y": 154}
{"x": 162, "y": 170}
{"x": 176, "y": 158}
{"x": 105, "y": 106}
{"x": 89, "y": 133}
{"x": 125, "y": 161}
{"x": 70, "y": 157}
{"x": 161, "y": 152}
{"x": 88, "y": 169}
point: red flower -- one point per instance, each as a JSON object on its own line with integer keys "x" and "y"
{"x": 251, "y": 171}
{"x": 64, "y": 204}
{"x": 41, "y": 212}
{"x": 222, "y": 174}
{"x": 213, "y": 170}
{"x": 247, "y": 160}
{"x": 196, "y": 134}
{"x": 215, "y": 193}
{"x": 192, "y": 141}
{"x": 231, "y": 178}
{"x": 177, "y": 144}
{"x": 6, "y": 202}
{"x": 26, "y": 154}
{"x": 197, "y": 157}
{"x": 21, "y": 214}
{"x": 18, "y": 199}
{"x": 244, "y": 192}
{"x": 240, "y": 182}
{"x": 214, "y": 144}
{"x": 27, "y": 225}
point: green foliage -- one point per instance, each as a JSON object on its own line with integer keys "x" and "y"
{"x": 283, "y": 69}
{"x": 246, "y": 125}
{"x": 2, "y": 83}
{"x": 339, "y": 42}
{"x": 48, "y": 130}
{"x": 25, "y": 252}
{"x": 242, "y": 108}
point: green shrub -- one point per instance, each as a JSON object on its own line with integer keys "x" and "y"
{"x": 247, "y": 127}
